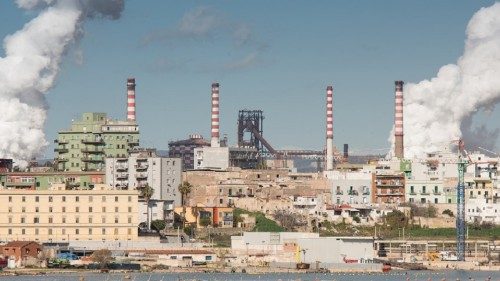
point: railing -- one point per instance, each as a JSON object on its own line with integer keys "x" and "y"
{"x": 92, "y": 150}
{"x": 93, "y": 140}
{"x": 91, "y": 159}
{"x": 141, "y": 167}
{"x": 141, "y": 175}
{"x": 122, "y": 176}
{"x": 121, "y": 168}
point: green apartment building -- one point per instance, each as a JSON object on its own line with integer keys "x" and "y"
{"x": 85, "y": 146}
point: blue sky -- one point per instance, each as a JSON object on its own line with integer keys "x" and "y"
{"x": 277, "y": 56}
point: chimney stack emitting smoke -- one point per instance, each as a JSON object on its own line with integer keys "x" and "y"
{"x": 131, "y": 99}
{"x": 215, "y": 141}
{"x": 398, "y": 121}
{"x": 329, "y": 128}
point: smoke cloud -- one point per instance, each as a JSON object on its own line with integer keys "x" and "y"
{"x": 30, "y": 67}
{"x": 435, "y": 109}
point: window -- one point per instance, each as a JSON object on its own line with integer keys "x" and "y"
{"x": 130, "y": 209}
{"x": 449, "y": 201}
{"x": 116, "y": 219}
{"x": 103, "y": 220}
{"x": 116, "y": 209}
{"x": 90, "y": 219}
{"x": 37, "y": 209}
{"x": 77, "y": 231}
{"x": 104, "y": 209}
{"x": 129, "y": 231}
{"x": 23, "y": 209}
{"x": 64, "y": 231}
{"x": 423, "y": 190}
{"x": 51, "y": 220}
{"x": 10, "y": 209}
{"x": 64, "y": 198}
{"x": 103, "y": 231}
{"x": 64, "y": 209}
{"x": 130, "y": 199}
{"x": 23, "y": 199}
{"x": 422, "y": 200}
{"x": 412, "y": 189}
{"x": 50, "y": 199}
{"x": 23, "y": 231}
{"x": 77, "y": 209}
{"x": 37, "y": 198}
{"x": 116, "y": 231}
{"x": 64, "y": 220}
{"x": 10, "y": 219}
{"x": 104, "y": 199}
{"x": 116, "y": 198}
{"x": 23, "y": 220}
{"x": 36, "y": 220}
{"x": 129, "y": 220}
{"x": 77, "y": 220}
{"x": 77, "y": 198}
{"x": 10, "y": 231}
{"x": 90, "y": 209}
{"x": 91, "y": 199}
{"x": 50, "y": 231}
{"x": 435, "y": 200}
{"x": 10, "y": 199}
{"x": 50, "y": 209}
{"x": 90, "y": 231}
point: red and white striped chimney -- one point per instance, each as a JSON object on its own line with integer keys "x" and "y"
{"x": 329, "y": 128}
{"x": 398, "y": 121}
{"x": 215, "y": 141}
{"x": 131, "y": 99}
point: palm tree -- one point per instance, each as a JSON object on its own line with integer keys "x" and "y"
{"x": 184, "y": 188}
{"x": 146, "y": 192}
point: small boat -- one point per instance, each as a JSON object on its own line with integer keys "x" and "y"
{"x": 303, "y": 265}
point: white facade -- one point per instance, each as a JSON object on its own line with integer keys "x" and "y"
{"x": 482, "y": 210}
{"x": 351, "y": 187}
{"x": 211, "y": 158}
{"x": 425, "y": 191}
{"x": 144, "y": 167}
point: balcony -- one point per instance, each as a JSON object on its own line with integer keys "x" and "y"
{"x": 339, "y": 193}
{"x": 353, "y": 192}
{"x": 122, "y": 176}
{"x": 93, "y": 159}
{"x": 133, "y": 142}
{"x": 390, "y": 194}
{"x": 93, "y": 141}
{"x": 61, "y": 150}
{"x": 93, "y": 150}
{"x": 121, "y": 168}
{"x": 141, "y": 167}
{"x": 141, "y": 175}
{"x": 61, "y": 159}
{"x": 366, "y": 192}
{"x": 425, "y": 193}
{"x": 61, "y": 141}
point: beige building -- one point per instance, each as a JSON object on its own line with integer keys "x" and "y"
{"x": 58, "y": 214}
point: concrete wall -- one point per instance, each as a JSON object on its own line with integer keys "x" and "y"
{"x": 216, "y": 158}
{"x": 334, "y": 249}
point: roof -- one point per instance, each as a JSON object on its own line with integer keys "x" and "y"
{"x": 19, "y": 244}
{"x": 173, "y": 252}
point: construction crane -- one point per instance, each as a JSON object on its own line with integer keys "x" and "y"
{"x": 460, "y": 223}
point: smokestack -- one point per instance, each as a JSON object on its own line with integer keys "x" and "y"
{"x": 215, "y": 141}
{"x": 329, "y": 128}
{"x": 346, "y": 152}
{"x": 398, "y": 121}
{"x": 131, "y": 99}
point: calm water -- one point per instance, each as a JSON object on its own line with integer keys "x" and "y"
{"x": 393, "y": 276}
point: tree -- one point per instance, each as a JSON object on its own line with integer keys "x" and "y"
{"x": 287, "y": 220}
{"x": 146, "y": 192}
{"x": 205, "y": 222}
{"x": 102, "y": 257}
{"x": 448, "y": 212}
{"x": 184, "y": 188}
{"x": 158, "y": 225}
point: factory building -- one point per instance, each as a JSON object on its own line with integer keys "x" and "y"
{"x": 184, "y": 149}
{"x": 144, "y": 167}
{"x": 58, "y": 214}
{"x": 91, "y": 139}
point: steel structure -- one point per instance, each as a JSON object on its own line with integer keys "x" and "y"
{"x": 460, "y": 223}
{"x": 251, "y": 121}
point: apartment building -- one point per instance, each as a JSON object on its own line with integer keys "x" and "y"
{"x": 425, "y": 191}
{"x": 144, "y": 167}
{"x": 351, "y": 187}
{"x": 58, "y": 214}
{"x": 388, "y": 188}
{"x": 44, "y": 180}
{"x": 91, "y": 139}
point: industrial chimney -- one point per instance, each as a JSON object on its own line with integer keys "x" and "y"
{"x": 329, "y": 128}
{"x": 398, "y": 121}
{"x": 346, "y": 152}
{"x": 215, "y": 141}
{"x": 131, "y": 99}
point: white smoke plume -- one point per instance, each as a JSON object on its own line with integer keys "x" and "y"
{"x": 30, "y": 67}
{"x": 435, "y": 110}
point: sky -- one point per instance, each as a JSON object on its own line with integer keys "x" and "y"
{"x": 277, "y": 56}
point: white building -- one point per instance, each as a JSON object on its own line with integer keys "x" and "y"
{"x": 425, "y": 191}
{"x": 351, "y": 187}
{"x": 144, "y": 167}
{"x": 211, "y": 158}
{"x": 482, "y": 210}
